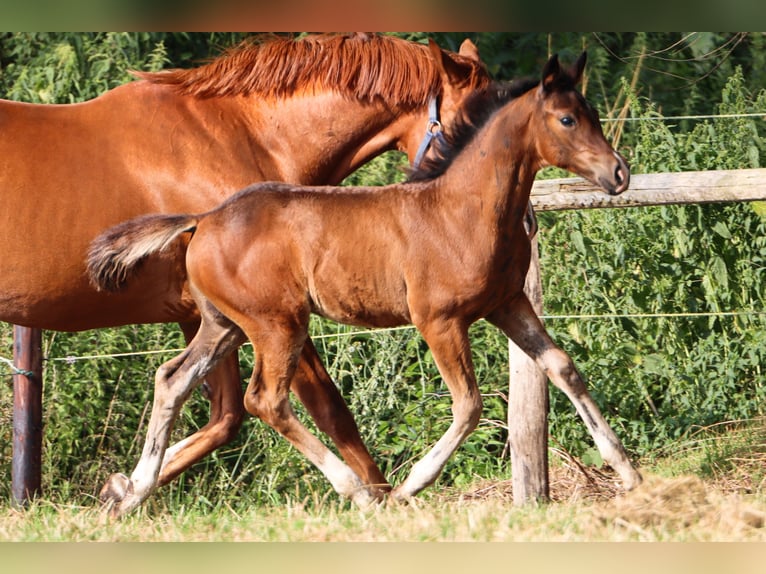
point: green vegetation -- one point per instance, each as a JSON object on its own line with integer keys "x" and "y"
{"x": 675, "y": 338}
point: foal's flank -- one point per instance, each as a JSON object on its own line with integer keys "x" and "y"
{"x": 440, "y": 251}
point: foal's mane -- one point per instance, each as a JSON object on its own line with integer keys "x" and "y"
{"x": 363, "y": 66}
{"x": 475, "y": 112}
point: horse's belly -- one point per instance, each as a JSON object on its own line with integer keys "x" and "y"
{"x": 367, "y": 305}
{"x": 55, "y": 294}
{"x": 78, "y": 312}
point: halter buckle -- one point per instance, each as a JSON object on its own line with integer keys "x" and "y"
{"x": 434, "y": 129}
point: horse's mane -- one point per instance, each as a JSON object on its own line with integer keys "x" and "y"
{"x": 475, "y": 112}
{"x": 363, "y": 66}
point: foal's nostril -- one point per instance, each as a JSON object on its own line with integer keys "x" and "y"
{"x": 619, "y": 174}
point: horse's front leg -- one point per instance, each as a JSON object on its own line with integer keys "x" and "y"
{"x": 174, "y": 381}
{"x": 449, "y": 344}
{"x": 520, "y": 323}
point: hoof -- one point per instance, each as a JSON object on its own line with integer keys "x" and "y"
{"x": 362, "y": 498}
{"x": 380, "y": 492}
{"x": 398, "y": 497}
{"x": 114, "y": 491}
{"x": 632, "y": 481}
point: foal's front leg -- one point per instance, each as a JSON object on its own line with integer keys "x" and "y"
{"x": 174, "y": 381}
{"x": 450, "y": 347}
{"x": 520, "y": 323}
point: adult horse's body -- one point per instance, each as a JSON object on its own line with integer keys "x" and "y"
{"x": 307, "y": 112}
{"x": 439, "y": 252}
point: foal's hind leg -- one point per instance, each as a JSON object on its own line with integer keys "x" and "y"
{"x": 174, "y": 381}
{"x": 277, "y": 349}
{"x": 316, "y": 390}
{"x": 224, "y": 390}
{"x": 522, "y": 325}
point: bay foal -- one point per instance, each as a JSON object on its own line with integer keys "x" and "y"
{"x": 441, "y": 251}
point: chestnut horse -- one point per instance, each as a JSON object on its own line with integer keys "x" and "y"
{"x": 440, "y": 252}
{"x": 306, "y": 111}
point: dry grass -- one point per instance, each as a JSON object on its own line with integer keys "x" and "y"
{"x": 715, "y": 493}
{"x": 683, "y": 508}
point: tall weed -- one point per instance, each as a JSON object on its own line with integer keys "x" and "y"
{"x": 659, "y": 376}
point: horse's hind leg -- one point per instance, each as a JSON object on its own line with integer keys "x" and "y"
{"x": 277, "y": 350}
{"x": 224, "y": 390}
{"x": 522, "y": 325}
{"x": 316, "y": 390}
{"x": 174, "y": 381}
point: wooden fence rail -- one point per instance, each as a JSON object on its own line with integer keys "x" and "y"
{"x": 654, "y": 189}
{"x": 528, "y": 397}
{"x": 528, "y": 387}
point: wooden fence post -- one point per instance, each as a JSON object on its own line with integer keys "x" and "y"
{"x": 27, "y": 414}
{"x": 528, "y": 408}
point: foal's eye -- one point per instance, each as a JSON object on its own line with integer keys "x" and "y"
{"x": 567, "y": 121}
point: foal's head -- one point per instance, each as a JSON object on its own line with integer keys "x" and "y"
{"x": 568, "y": 133}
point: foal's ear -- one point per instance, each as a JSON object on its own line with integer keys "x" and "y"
{"x": 578, "y": 67}
{"x": 551, "y": 71}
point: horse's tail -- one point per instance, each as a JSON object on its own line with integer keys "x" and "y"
{"x": 115, "y": 255}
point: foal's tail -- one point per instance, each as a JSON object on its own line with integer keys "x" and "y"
{"x": 115, "y": 255}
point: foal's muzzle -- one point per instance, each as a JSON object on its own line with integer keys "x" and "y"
{"x": 621, "y": 176}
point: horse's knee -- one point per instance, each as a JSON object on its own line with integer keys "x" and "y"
{"x": 169, "y": 368}
{"x": 563, "y": 373}
{"x": 224, "y": 427}
{"x": 468, "y": 409}
{"x": 229, "y": 425}
{"x": 252, "y": 403}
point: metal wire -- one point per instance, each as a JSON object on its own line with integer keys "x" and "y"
{"x": 70, "y": 359}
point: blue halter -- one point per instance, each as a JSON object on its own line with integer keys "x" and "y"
{"x": 433, "y": 130}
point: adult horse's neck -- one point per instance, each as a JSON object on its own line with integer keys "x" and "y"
{"x": 321, "y": 138}
{"x": 319, "y": 107}
{"x": 311, "y": 139}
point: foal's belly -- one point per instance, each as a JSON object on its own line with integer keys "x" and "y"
{"x": 360, "y": 309}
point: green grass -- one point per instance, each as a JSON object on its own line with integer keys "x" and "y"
{"x": 682, "y": 500}
{"x": 431, "y": 518}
